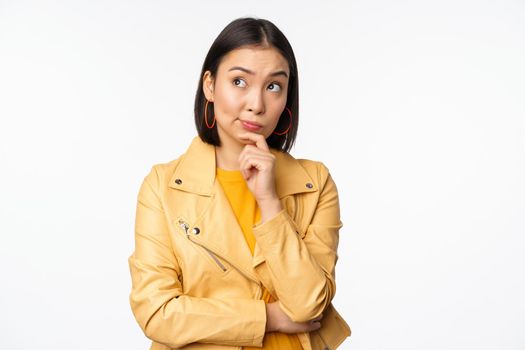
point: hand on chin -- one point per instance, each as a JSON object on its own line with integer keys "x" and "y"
{"x": 245, "y": 140}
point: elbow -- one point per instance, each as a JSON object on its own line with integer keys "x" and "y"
{"x": 157, "y": 334}
{"x": 157, "y": 328}
{"x": 305, "y": 313}
{"x": 312, "y": 306}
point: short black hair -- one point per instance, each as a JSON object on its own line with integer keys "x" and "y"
{"x": 243, "y": 32}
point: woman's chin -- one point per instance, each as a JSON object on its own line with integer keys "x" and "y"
{"x": 246, "y": 141}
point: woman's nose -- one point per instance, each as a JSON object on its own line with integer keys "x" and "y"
{"x": 255, "y": 102}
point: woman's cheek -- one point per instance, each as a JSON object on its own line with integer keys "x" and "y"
{"x": 232, "y": 100}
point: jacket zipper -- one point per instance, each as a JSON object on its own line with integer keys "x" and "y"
{"x": 186, "y": 227}
{"x": 215, "y": 258}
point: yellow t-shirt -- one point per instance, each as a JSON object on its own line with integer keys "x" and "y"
{"x": 247, "y": 212}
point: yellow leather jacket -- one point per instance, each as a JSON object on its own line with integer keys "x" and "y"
{"x": 195, "y": 284}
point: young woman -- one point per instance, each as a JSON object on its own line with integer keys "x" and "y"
{"x": 236, "y": 240}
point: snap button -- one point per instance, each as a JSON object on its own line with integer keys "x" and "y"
{"x": 309, "y": 185}
{"x": 178, "y": 181}
{"x": 196, "y": 230}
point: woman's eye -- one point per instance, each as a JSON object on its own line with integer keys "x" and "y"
{"x": 274, "y": 87}
{"x": 239, "y": 82}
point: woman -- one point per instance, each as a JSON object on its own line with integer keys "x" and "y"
{"x": 236, "y": 240}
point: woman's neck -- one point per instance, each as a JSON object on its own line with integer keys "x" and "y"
{"x": 227, "y": 156}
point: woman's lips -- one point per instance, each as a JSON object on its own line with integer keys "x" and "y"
{"x": 250, "y": 126}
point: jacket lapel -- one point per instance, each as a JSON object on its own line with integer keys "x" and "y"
{"x": 211, "y": 213}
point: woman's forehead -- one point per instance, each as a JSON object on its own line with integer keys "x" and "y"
{"x": 256, "y": 60}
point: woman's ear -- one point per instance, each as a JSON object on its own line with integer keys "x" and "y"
{"x": 208, "y": 85}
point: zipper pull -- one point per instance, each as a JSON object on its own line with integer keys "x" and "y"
{"x": 185, "y": 226}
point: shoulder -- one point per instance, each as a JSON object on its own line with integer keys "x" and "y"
{"x": 159, "y": 173}
{"x": 322, "y": 179}
{"x": 317, "y": 170}
{"x": 313, "y": 167}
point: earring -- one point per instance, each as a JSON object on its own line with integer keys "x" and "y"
{"x": 286, "y": 131}
{"x": 206, "y": 116}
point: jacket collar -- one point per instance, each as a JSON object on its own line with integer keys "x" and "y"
{"x": 196, "y": 171}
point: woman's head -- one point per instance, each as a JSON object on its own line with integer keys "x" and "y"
{"x": 249, "y": 75}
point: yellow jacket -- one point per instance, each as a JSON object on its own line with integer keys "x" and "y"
{"x": 195, "y": 284}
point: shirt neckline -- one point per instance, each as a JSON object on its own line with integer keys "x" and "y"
{"x": 229, "y": 175}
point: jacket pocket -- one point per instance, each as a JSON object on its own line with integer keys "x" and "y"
{"x": 210, "y": 256}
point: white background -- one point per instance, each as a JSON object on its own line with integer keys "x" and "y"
{"x": 416, "y": 107}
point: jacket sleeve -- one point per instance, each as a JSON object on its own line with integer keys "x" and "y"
{"x": 302, "y": 269}
{"x": 161, "y": 309}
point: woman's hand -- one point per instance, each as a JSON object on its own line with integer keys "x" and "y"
{"x": 277, "y": 320}
{"x": 257, "y": 167}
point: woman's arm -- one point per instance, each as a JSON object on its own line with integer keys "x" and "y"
{"x": 163, "y": 312}
{"x": 303, "y": 269}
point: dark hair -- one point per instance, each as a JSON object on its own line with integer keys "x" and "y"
{"x": 242, "y": 32}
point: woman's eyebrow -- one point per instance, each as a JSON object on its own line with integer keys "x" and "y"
{"x": 280, "y": 72}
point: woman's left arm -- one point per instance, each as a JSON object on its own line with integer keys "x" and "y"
{"x": 302, "y": 269}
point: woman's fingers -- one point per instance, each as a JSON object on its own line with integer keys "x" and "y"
{"x": 258, "y": 139}
{"x": 282, "y": 323}
{"x": 308, "y": 326}
{"x": 251, "y": 151}
{"x": 314, "y": 326}
{"x": 260, "y": 163}
{"x": 315, "y": 323}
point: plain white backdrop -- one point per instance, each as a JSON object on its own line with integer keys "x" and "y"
{"x": 416, "y": 107}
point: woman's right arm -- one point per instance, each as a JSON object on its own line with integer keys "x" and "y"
{"x": 163, "y": 312}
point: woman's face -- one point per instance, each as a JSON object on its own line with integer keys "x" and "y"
{"x": 248, "y": 93}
